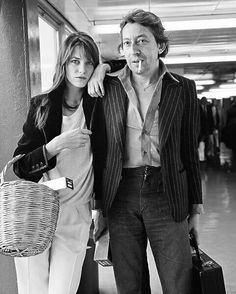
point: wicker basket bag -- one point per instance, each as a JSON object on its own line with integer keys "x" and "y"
{"x": 28, "y": 216}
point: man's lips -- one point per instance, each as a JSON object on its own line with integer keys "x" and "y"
{"x": 137, "y": 61}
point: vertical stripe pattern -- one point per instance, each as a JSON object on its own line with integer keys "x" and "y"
{"x": 178, "y": 132}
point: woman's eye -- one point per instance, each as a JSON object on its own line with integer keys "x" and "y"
{"x": 75, "y": 61}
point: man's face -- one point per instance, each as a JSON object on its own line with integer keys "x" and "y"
{"x": 139, "y": 45}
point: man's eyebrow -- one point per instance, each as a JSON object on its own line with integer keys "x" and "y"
{"x": 142, "y": 35}
{"x": 139, "y": 36}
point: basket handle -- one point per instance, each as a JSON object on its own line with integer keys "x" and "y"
{"x": 8, "y": 165}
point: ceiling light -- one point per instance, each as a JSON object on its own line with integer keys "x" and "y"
{"x": 107, "y": 29}
{"x": 200, "y": 24}
{"x": 220, "y": 90}
{"x": 228, "y": 86}
{"x": 199, "y": 87}
{"x": 185, "y": 25}
{"x": 200, "y": 59}
{"x": 204, "y": 82}
{"x": 218, "y": 94}
{"x": 206, "y": 76}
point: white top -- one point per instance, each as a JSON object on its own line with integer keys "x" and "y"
{"x": 75, "y": 164}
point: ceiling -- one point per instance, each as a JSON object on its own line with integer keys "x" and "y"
{"x": 188, "y": 43}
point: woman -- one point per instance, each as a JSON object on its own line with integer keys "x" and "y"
{"x": 64, "y": 136}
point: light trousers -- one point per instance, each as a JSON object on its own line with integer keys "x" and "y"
{"x": 58, "y": 269}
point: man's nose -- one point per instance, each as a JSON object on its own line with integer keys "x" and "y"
{"x": 135, "y": 49}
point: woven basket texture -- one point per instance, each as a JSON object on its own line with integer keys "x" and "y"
{"x": 28, "y": 217}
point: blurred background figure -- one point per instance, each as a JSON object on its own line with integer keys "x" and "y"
{"x": 204, "y": 131}
{"x": 213, "y": 121}
{"x": 229, "y": 133}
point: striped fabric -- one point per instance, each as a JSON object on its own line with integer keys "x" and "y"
{"x": 178, "y": 132}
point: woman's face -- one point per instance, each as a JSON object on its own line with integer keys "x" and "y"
{"x": 79, "y": 69}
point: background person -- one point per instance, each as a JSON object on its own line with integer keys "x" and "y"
{"x": 151, "y": 184}
{"x": 61, "y": 131}
{"x": 229, "y": 133}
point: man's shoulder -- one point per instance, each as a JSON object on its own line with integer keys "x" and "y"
{"x": 180, "y": 78}
{"x": 112, "y": 80}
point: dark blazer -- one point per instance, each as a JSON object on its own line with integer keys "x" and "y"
{"x": 178, "y": 132}
{"x": 34, "y": 163}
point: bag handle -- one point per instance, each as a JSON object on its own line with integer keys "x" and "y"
{"x": 193, "y": 243}
{"x": 8, "y": 165}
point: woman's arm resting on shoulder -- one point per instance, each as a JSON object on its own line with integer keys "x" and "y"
{"x": 95, "y": 84}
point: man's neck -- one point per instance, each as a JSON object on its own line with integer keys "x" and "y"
{"x": 144, "y": 81}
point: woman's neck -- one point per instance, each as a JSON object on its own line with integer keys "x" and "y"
{"x": 72, "y": 97}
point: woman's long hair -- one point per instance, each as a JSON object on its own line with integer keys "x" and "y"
{"x": 91, "y": 52}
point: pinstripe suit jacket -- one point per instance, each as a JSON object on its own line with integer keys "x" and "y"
{"x": 178, "y": 132}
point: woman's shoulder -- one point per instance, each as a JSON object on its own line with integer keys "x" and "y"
{"x": 37, "y": 100}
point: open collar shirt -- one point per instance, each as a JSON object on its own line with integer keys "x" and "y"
{"x": 142, "y": 139}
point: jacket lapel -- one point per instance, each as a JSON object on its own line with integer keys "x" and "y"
{"x": 171, "y": 93}
{"x": 88, "y": 106}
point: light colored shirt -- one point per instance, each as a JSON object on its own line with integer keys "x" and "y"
{"x": 75, "y": 164}
{"x": 142, "y": 135}
{"x": 142, "y": 138}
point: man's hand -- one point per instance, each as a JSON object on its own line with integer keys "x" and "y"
{"x": 193, "y": 225}
{"x": 95, "y": 84}
{"x": 100, "y": 225}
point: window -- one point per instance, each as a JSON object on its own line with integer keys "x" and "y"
{"x": 49, "y": 44}
{"x": 53, "y": 29}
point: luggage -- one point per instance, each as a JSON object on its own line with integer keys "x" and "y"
{"x": 207, "y": 274}
{"x": 102, "y": 254}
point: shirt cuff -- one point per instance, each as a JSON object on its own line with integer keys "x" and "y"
{"x": 197, "y": 209}
{"x": 96, "y": 204}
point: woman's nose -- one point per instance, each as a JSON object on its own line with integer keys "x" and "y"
{"x": 81, "y": 68}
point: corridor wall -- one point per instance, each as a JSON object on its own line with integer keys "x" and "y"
{"x": 15, "y": 93}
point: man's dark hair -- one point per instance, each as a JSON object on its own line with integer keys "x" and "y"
{"x": 152, "y": 22}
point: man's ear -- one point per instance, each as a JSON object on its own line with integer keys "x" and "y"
{"x": 162, "y": 48}
{"x": 120, "y": 50}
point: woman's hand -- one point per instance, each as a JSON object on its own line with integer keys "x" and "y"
{"x": 72, "y": 139}
{"x": 95, "y": 84}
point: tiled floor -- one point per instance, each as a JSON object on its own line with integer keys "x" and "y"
{"x": 217, "y": 228}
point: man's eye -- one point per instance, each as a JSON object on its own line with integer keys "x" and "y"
{"x": 141, "y": 41}
{"x": 126, "y": 43}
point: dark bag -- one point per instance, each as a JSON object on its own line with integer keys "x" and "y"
{"x": 207, "y": 274}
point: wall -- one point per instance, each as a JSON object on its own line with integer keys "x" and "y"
{"x": 15, "y": 94}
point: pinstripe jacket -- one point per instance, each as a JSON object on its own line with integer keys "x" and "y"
{"x": 178, "y": 133}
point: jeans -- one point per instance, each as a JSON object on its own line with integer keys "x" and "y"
{"x": 140, "y": 212}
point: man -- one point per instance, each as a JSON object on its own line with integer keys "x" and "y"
{"x": 151, "y": 186}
